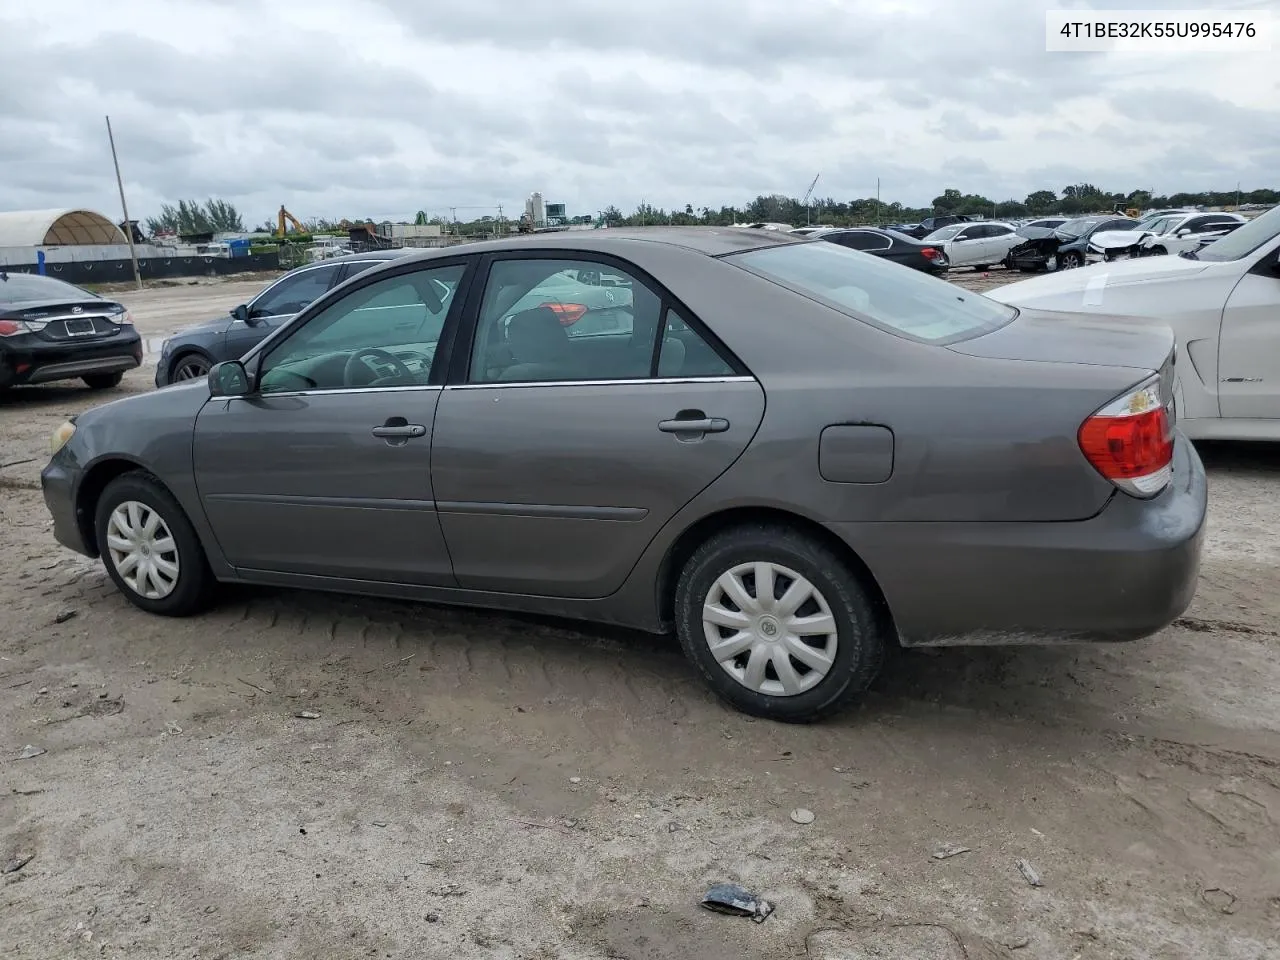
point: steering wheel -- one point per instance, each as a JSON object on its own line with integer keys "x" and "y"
{"x": 356, "y": 359}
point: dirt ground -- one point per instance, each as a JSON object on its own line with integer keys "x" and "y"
{"x": 474, "y": 785}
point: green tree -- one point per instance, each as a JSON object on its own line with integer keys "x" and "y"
{"x": 1041, "y": 201}
{"x": 949, "y": 202}
{"x": 192, "y": 216}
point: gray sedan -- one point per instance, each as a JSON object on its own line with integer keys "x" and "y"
{"x": 792, "y": 454}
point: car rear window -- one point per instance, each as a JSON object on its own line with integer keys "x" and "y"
{"x": 24, "y": 287}
{"x": 885, "y": 294}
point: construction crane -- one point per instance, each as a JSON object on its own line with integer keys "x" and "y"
{"x": 280, "y": 222}
{"x": 808, "y": 195}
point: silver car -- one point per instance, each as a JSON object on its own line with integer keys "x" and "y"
{"x": 792, "y": 454}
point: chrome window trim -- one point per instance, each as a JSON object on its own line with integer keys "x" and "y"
{"x": 620, "y": 382}
{"x": 505, "y": 384}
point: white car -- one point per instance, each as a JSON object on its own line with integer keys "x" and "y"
{"x": 1169, "y": 233}
{"x": 1046, "y": 223}
{"x": 1223, "y": 304}
{"x": 1191, "y": 232}
{"x": 977, "y": 244}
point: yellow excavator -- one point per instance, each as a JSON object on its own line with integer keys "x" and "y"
{"x": 280, "y": 222}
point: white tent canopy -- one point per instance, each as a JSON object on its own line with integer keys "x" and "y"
{"x": 50, "y": 228}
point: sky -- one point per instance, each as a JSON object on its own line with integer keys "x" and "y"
{"x": 381, "y": 108}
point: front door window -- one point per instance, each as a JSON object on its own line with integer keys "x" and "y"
{"x": 382, "y": 335}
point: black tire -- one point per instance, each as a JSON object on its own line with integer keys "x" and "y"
{"x": 1070, "y": 260}
{"x": 861, "y": 645}
{"x": 982, "y": 266}
{"x": 1158, "y": 252}
{"x": 192, "y": 360}
{"x": 195, "y": 583}
{"x": 102, "y": 381}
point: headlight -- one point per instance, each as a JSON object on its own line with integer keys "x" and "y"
{"x": 60, "y": 436}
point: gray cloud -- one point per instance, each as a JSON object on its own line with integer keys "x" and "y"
{"x": 384, "y": 107}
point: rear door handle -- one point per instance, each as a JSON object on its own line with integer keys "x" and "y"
{"x": 703, "y": 425}
{"x": 403, "y": 431}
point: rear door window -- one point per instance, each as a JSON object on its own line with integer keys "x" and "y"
{"x": 907, "y": 303}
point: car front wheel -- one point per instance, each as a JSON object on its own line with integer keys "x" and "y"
{"x": 149, "y": 547}
{"x": 777, "y": 623}
{"x": 189, "y": 366}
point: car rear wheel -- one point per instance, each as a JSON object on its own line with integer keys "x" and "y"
{"x": 103, "y": 381}
{"x": 189, "y": 366}
{"x": 777, "y": 624}
{"x": 149, "y": 547}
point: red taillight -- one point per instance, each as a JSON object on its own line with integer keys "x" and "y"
{"x": 569, "y": 313}
{"x": 9, "y": 327}
{"x": 1130, "y": 441}
{"x": 929, "y": 253}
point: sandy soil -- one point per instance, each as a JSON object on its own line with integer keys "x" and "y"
{"x": 475, "y": 785}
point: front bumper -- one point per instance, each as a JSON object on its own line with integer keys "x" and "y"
{"x": 1124, "y": 574}
{"x": 31, "y": 360}
{"x": 58, "y": 482}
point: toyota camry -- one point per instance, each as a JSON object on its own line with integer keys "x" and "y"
{"x": 792, "y": 454}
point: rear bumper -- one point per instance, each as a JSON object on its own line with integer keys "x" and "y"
{"x": 1126, "y": 573}
{"x": 30, "y": 360}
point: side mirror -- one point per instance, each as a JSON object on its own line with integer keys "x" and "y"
{"x": 228, "y": 379}
{"x": 1183, "y": 231}
{"x": 242, "y": 314}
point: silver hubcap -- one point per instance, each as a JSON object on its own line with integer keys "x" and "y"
{"x": 770, "y": 629}
{"x": 143, "y": 550}
{"x": 1067, "y": 261}
{"x": 192, "y": 369}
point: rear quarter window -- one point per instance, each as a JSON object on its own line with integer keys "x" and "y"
{"x": 886, "y": 295}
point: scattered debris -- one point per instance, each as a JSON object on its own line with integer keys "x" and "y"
{"x": 17, "y": 863}
{"x": 532, "y": 823}
{"x": 448, "y": 890}
{"x": 64, "y": 615}
{"x": 1029, "y": 873}
{"x": 949, "y": 850}
{"x": 1015, "y": 943}
{"x": 737, "y": 901}
{"x": 42, "y": 691}
{"x": 802, "y": 816}
{"x": 575, "y": 779}
{"x": 1217, "y": 898}
{"x": 432, "y": 918}
{"x": 392, "y": 663}
{"x": 674, "y": 827}
{"x": 20, "y": 683}
{"x": 307, "y": 715}
{"x": 29, "y": 752}
{"x": 172, "y": 728}
{"x": 379, "y": 823}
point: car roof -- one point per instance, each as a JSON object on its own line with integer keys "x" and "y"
{"x": 712, "y": 241}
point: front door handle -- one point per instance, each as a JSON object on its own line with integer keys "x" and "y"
{"x": 402, "y": 431}
{"x": 700, "y": 425}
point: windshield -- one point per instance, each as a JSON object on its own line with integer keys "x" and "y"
{"x": 30, "y": 287}
{"x": 946, "y": 233}
{"x": 1078, "y": 228}
{"x": 904, "y": 302}
{"x": 1245, "y": 239}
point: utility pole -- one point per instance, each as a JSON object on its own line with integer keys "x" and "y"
{"x": 128, "y": 224}
{"x": 877, "y": 201}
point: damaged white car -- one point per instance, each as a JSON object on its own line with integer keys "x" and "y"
{"x": 1223, "y": 304}
{"x": 1180, "y": 232}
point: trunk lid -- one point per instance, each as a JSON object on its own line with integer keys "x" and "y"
{"x": 1049, "y": 336}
